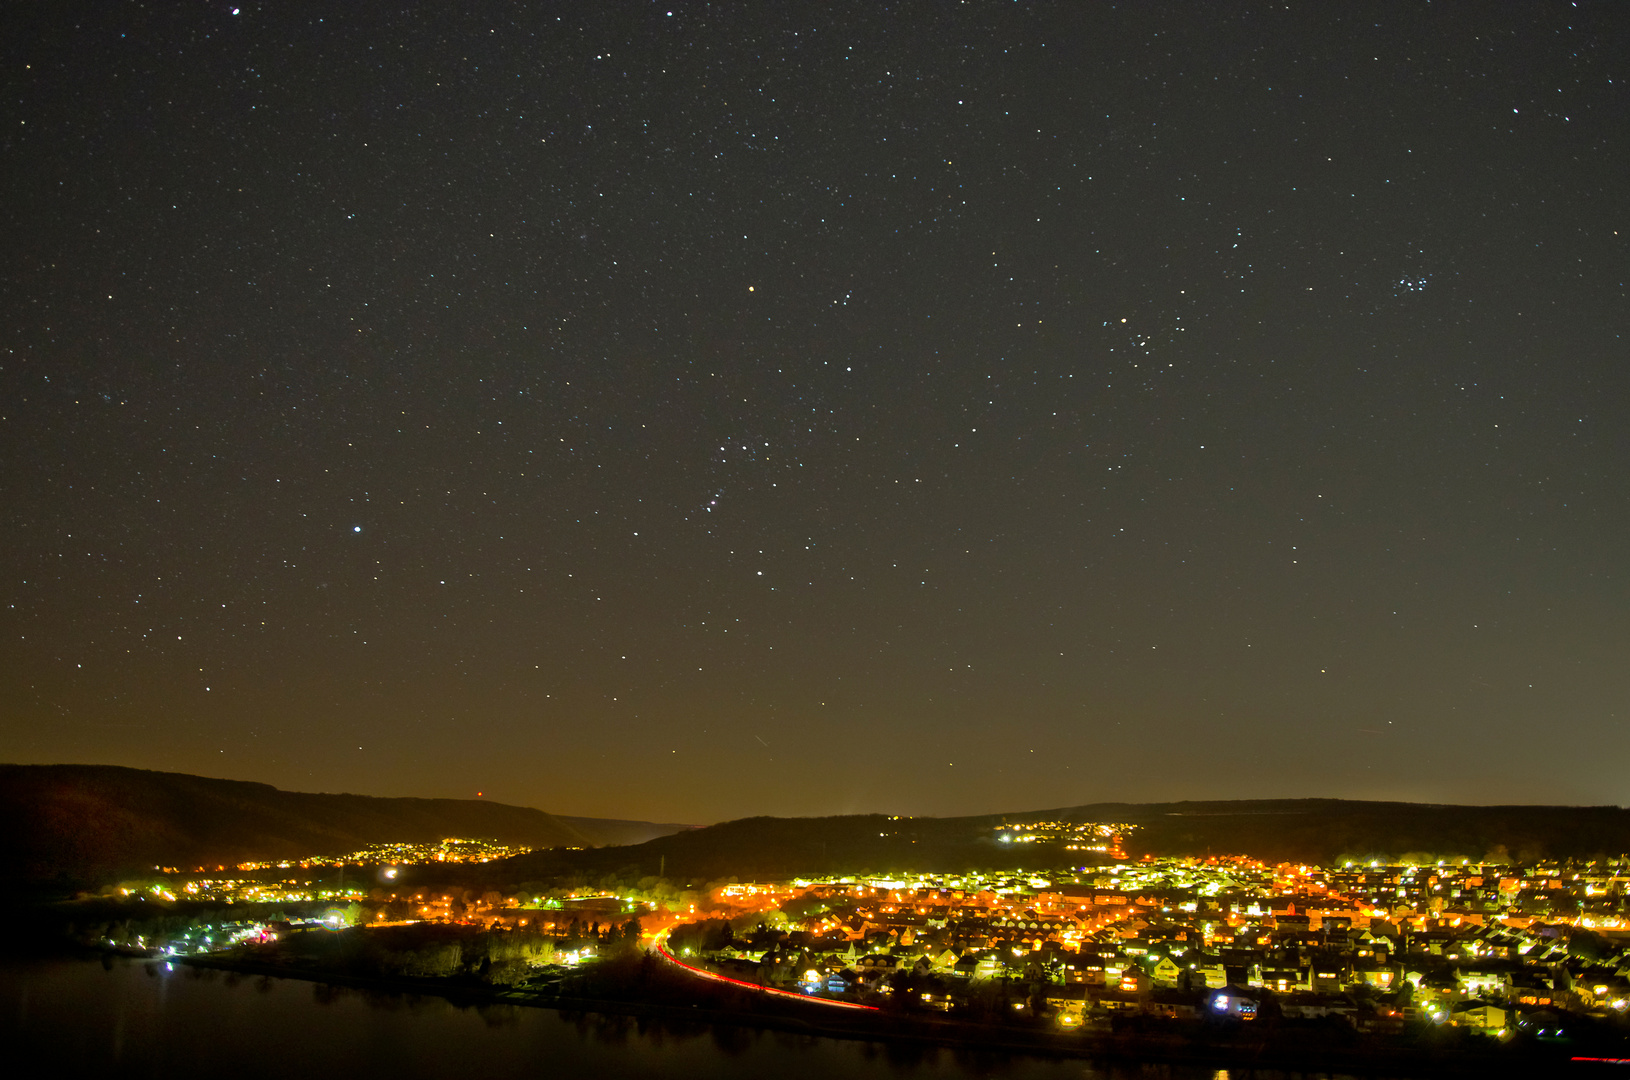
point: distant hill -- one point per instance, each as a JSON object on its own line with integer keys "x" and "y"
{"x": 1326, "y": 830}
{"x": 90, "y": 824}
{"x": 1288, "y": 830}
{"x": 84, "y": 823}
{"x": 610, "y": 832}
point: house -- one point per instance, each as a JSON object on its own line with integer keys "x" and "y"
{"x": 1438, "y": 988}
{"x": 781, "y": 967}
{"x": 1233, "y": 1002}
{"x": 1120, "y": 1000}
{"x": 1175, "y": 1004}
{"x": 1068, "y": 999}
{"x": 1289, "y": 924}
{"x": 1286, "y": 976}
{"x": 841, "y": 982}
{"x": 1383, "y": 1020}
{"x": 978, "y": 964}
{"x": 1329, "y": 974}
{"x": 1165, "y": 972}
{"x": 1242, "y": 967}
{"x": 1037, "y": 968}
{"x": 1603, "y": 988}
{"x": 1372, "y": 943}
{"x": 1480, "y": 1015}
{"x": 1318, "y": 1006}
{"x": 874, "y": 979}
{"x": 1533, "y": 989}
{"x": 1085, "y": 967}
{"x": 1370, "y": 973}
{"x": 1476, "y": 982}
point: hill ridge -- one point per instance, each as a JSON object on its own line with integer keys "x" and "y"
{"x": 93, "y": 822}
{"x": 1323, "y": 831}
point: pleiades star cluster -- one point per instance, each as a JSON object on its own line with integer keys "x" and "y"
{"x": 693, "y": 410}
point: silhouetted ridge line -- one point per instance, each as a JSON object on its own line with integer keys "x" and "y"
{"x": 95, "y": 822}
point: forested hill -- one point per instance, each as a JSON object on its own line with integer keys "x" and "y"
{"x": 96, "y": 822}
{"x": 91, "y": 824}
{"x": 1322, "y": 831}
{"x": 1329, "y": 830}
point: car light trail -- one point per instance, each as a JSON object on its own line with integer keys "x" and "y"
{"x": 662, "y": 949}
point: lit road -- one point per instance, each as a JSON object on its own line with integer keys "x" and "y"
{"x": 660, "y": 945}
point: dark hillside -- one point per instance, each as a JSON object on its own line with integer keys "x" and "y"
{"x": 1327, "y": 830}
{"x": 772, "y": 848}
{"x": 607, "y": 831}
{"x": 83, "y": 823}
{"x": 1292, "y": 830}
{"x": 88, "y": 824}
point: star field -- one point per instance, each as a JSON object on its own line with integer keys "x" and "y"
{"x": 687, "y": 411}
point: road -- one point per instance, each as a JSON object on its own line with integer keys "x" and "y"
{"x": 660, "y": 946}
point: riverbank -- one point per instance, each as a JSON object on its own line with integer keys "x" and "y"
{"x": 1292, "y": 1048}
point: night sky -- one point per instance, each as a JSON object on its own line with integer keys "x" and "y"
{"x": 687, "y": 411}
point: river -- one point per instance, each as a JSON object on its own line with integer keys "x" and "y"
{"x": 137, "y": 1018}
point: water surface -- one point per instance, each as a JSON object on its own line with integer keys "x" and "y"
{"x": 142, "y": 1018}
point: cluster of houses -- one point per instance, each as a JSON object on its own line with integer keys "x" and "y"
{"x": 1481, "y": 947}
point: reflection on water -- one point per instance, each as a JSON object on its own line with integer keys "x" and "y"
{"x": 145, "y": 1019}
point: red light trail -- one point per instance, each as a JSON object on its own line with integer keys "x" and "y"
{"x": 662, "y": 949}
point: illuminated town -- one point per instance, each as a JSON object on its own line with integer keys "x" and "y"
{"x": 452, "y": 850}
{"x": 1481, "y": 946}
